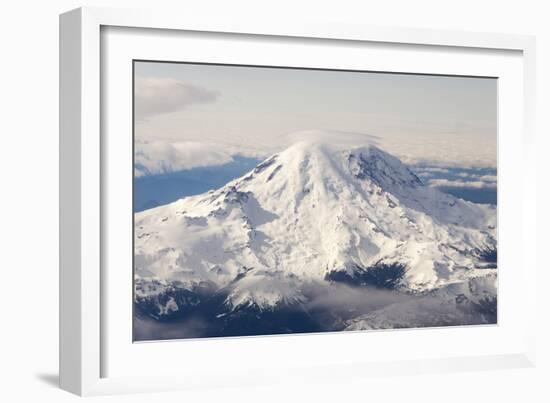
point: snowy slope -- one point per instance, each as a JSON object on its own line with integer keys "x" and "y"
{"x": 315, "y": 212}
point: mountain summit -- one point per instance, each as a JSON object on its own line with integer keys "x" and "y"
{"x": 314, "y": 214}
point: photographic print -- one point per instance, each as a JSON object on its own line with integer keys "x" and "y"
{"x": 271, "y": 200}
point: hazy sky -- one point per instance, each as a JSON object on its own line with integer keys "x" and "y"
{"x": 204, "y": 114}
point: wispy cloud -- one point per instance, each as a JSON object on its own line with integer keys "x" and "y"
{"x": 154, "y": 96}
{"x": 477, "y": 184}
{"x": 431, "y": 170}
{"x": 488, "y": 178}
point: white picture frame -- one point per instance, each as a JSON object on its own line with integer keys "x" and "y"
{"x": 86, "y": 332}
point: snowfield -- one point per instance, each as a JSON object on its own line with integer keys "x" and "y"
{"x": 315, "y": 215}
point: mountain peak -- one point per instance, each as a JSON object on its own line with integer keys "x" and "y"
{"x": 344, "y": 139}
{"x": 314, "y": 145}
{"x": 338, "y": 163}
{"x": 317, "y": 211}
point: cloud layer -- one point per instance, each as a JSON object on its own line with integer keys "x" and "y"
{"x": 457, "y": 177}
{"x": 159, "y": 157}
{"x": 154, "y": 96}
{"x": 476, "y": 184}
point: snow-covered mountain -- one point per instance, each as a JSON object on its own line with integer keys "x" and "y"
{"x": 313, "y": 215}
